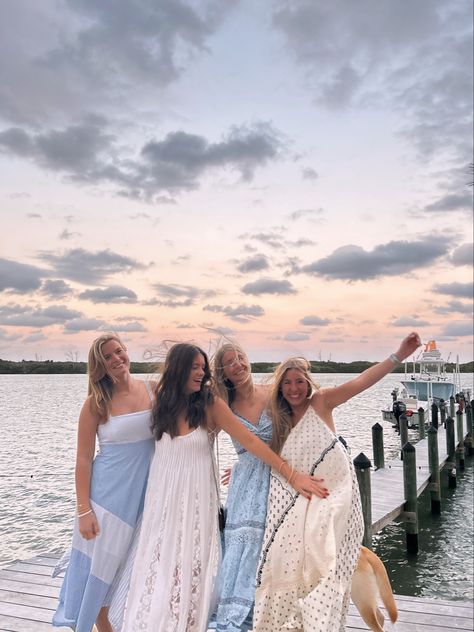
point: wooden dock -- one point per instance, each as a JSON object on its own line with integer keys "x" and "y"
{"x": 387, "y": 497}
{"x": 28, "y": 598}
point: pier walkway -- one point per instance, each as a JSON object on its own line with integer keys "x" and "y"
{"x": 28, "y": 598}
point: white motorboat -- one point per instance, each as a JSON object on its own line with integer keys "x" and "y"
{"x": 427, "y": 383}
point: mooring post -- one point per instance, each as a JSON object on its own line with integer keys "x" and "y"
{"x": 442, "y": 411}
{"x": 435, "y": 479}
{"x": 403, "y": 422}
{"x": 421, "y": 422}
{"x": 452, "y": 409}
{"x": 469, "y": 437}
{"x": 460, "y": 439}
{"x": 377, "y": 446}
{"x": 362, "y": 467}
{"x": 410, "y": 513}
{"x": 434, "y": 415}
{"x": 451, "y": 448}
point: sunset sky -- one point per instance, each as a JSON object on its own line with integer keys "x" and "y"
{"x": 293, "y": 174}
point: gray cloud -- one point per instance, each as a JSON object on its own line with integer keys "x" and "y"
{"x": 301, "y": 243}
{"x": 314, "y": 214}
{"x": 174, "y": 295}
{"x": 130, "y": 327}
{"x": 85, "y": 266}
{"x": 111, "y": 294}
{"x": 55, "y": 288}
{"x": 22, "y": 316}
{"x": 241, "y": 313}
{"x": 463, "y": 255}
{"x": 7, "y": 337}
{"x": 85, "y": 324}
{"x": 37, "y": 337}
{"x": 461, "y": 290}
{"x": 270, "y": 238}
{"x": 308, "y": 173}
{"x": 314, "y": 321}
{"x": 268, "y": 286}
{"x": 353, "y": 263}
{"x": 454, "y": 307}
{"x": 98, "y": 58}
{"x": 19, "y": 277}
{"x": 296, "y": 336}
{"x": 87, "y": 154}
{"x": 254, "y": 264}
{"x": 409, "y": 321}
{"x": 458, "y": 328}
{"x": 452, "y": 202}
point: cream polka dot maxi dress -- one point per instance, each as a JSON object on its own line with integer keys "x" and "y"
{"x": 310, "y": 548}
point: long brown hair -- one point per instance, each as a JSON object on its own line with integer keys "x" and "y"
{"x": 224, "y": 387}
{"x": 171, "y": 399}
{"x": 100, "y": 384}
{"x": 280, "y": 409}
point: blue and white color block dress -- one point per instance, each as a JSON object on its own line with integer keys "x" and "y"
{"x": 118, "y": 485}
{"x": 243, "y": 534}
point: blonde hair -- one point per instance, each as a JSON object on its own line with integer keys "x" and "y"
{"x": 100, "y": 385}
{"x": 222, "y": 385}
{"x": 279, "y": 408}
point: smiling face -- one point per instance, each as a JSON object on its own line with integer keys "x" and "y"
{"x": 295, "y": 388}
{"x": 115, "y": 358}
{"x": 235, "y": 366}
{"x": 196, "y": 375}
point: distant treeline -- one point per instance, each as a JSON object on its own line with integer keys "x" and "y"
{"x": 49, "y": 366}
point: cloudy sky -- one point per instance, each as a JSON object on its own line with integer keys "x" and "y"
{"x": 291, "y": 173}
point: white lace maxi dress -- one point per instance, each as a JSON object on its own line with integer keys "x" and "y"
{"x": 173, "y": 578}
{"x": 310, "y": 548}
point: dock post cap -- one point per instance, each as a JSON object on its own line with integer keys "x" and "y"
{"x": 421, "y": 409}
{"x": 362, "y": 462}
{"x": 409, "y": 447}
{"x": 432, "y": 430}
{"x": 377, "y": 425}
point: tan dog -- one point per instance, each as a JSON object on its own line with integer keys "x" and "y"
{"x": 370, "y": 580}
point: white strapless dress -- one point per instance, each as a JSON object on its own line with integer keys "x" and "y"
{"x": 173, "y": 578}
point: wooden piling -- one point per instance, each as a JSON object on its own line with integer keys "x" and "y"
{"x": 451, "y": 449}
{"x": 460, "y": 439}
{"x": 410, "y": 514}
{"x": 421, "y": 422}
{"x": 403, "y": 425}
{"x": 442, "y": 412}
{"x": 434, "y": 415}
{"x": 435, "y": 479}
{"x": 377, "y": 446}
{"x": 469, "y": 437}
{"x": 362, "y": 467}
{"x": 452, "y": 409}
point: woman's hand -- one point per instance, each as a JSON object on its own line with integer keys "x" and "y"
{"x": 408, "y": 346}
{"x": 89, "y": 526}
{"x": 225, "y": 478}
{"x": 308, "y": 485}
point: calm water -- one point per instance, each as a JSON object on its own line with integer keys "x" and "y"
{"x": 38, "y": 417}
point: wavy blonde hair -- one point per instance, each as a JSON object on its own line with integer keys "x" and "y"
{"x": 100, "y": 386}
{"x": 223, "y": 386}
{"x": 279, "y": 408}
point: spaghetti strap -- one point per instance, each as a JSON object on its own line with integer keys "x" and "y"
{"x": 150, "y": 391}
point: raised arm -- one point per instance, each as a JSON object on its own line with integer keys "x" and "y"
{"x": 333, "y": 397}
{"x": 224, "y": 418}
{"x": 88, "y": 525}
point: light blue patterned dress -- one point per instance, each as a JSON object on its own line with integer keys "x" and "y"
{"x": 117, "y": 492}
{"x": 243, "y": 534}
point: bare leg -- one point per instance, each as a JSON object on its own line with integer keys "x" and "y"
{"x": 102, "y": 622}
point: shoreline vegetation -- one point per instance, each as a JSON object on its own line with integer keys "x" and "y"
{"x": 51, "y": 367}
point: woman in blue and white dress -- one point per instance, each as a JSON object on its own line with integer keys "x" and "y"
{"x": 248, "y": 491}
{"x": 110, "y": 489}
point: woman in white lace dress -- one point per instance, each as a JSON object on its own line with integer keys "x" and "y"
{"x": 310, "y": 549}
{"x": 173, "y": 579}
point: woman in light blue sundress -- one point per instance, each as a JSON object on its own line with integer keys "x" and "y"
{"x": 110, "y": 489}
{"x": 248, "y": 492}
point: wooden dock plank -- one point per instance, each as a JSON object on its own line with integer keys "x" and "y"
{"x": 27, "y": 606}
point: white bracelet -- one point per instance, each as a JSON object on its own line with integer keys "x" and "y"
{"x": 86, "y": 513}
{"x": 394, "y": 358}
